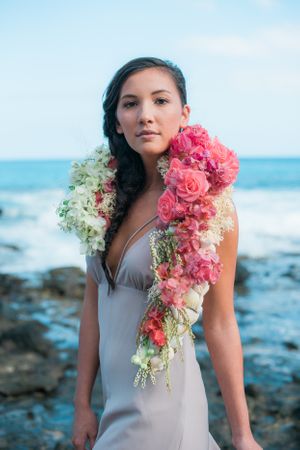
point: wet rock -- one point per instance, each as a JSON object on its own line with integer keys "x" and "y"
{"x": 26, "y": 336}
{"x": 293, "y": 272}
{"x": 252, "y": 390}
{"x": 26, "y": 372}
{"x": 12, "y": 247}
{"x": 290, "y": 345}
{"x": 10, "y": 284}
{"x": 242, "y": 273}
{"x": 28, "y": 360}
{"x": 65, "y": 282}
{"x": 296, "y": 378}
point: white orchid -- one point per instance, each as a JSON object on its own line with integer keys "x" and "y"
{"x": 80, "y": 212}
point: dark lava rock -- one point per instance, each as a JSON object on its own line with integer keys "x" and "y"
{"x": 28, "y": 360}
{"x": 13, "y": 247}
{"x": 27, "y": 335}
{"x": 293, "y": 272}
{"x": 25, "y": 372}
{"x": 252, "y": 390}
{"x": 242, "y": 273}
{"x": 65, "y": 282}
{"x": 291, "y": 345}
{"x": 10, "y": 284}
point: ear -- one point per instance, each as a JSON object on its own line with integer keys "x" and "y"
{"x": 185, "y": 116}
{"x": 118, "y": 127}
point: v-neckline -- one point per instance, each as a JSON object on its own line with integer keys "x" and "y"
{"x": 124, "y": 253}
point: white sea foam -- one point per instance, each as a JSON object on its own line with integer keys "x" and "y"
{"x": 31, "y": 224}
{"x": 269, "y": 222}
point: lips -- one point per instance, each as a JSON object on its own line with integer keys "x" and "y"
{"x": 146, "y": 132}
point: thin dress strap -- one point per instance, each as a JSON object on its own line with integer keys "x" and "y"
{"x": 126, "y": 244}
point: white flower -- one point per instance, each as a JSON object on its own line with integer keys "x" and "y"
{"x": 207, "y": 239}
{"x": 141, "y": 357}
{"x": 181, "y": 329}
{"x": 156, "y": 363}
{"x": 171, "y": 353}
{"x": 174, "y": 311}
{"x": 202, "y": 288}
{"x": 193, "y": 299}
{"x": 192, "y": 315}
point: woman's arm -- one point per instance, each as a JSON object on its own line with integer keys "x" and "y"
{"x": 88, "y": 352}
{"x": 85, "y": 424}
{"x": 223, "y": 341}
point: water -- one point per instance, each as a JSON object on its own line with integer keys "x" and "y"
{"x": 266, "y": 196}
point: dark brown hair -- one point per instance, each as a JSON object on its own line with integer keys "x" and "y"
{"x": 130, "y": 176}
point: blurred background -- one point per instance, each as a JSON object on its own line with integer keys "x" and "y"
{"x": 241, "y": 64}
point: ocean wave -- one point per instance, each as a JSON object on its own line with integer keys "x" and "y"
{"x": 269, "y": 222}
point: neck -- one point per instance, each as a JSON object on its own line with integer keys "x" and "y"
{"x": 154, "y": 181}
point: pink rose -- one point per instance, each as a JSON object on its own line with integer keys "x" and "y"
{"x": 165, "y": 206}
{"x": 192, "y": 185}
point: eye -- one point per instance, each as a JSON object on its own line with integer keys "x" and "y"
{"x": 163, "y": 99}
{"x": 127, "y": 104}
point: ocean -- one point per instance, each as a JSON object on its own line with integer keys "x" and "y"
{"x": 266, "y": 195}
{"x": 267, "y": 302}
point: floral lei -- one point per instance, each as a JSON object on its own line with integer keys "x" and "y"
{"x": 194, "y": 212}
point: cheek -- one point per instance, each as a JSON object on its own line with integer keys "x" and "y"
{"x": 126, "y": 120}
{"x": 172, "y": 122}
{"x": 171, "y": 116}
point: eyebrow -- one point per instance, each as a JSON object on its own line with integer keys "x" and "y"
{"x": 154, "y": 92}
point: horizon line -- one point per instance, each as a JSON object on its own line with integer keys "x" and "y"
{"x": 78, "y": 158}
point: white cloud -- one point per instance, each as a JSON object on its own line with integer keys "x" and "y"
{"x": 267, "y": 80}
{"x": 222, "y": 45}
{"x": 265, "y": 42}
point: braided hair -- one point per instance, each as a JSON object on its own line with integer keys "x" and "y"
{"x": 130, "y": 176}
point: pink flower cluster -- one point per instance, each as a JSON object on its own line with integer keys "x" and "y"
{"x": 200, "y": 168}
{"x": 173, "y": 284}
{"x": 152, "y": 327}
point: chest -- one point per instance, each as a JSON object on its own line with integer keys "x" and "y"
{"x": 139, "y": 220}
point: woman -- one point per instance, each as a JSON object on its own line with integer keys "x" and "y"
{"x": 149, "y": 95}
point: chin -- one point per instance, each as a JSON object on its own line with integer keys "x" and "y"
{"x": 152, "y": 151}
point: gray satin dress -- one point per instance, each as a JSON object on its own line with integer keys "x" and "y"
{"x": 136, "y": 418}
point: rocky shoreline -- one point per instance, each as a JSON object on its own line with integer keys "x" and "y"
{"x": 39, "y": 325}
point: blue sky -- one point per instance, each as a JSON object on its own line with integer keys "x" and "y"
{"x": 241, "y": 61}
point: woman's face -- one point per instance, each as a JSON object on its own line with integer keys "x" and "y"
{"x": 141, "y": 107}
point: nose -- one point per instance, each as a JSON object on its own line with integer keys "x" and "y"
{"x": 145, "y": 113}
